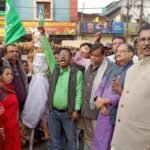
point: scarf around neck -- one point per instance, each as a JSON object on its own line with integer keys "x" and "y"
{"x": 100, "y": 73}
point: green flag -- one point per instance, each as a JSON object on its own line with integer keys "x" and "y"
{"x": 41, "y": 17}
{"x": 13, "y": 26}
{"x": 49, "y": 53}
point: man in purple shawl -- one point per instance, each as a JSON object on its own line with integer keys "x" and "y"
{"x": 107, "y": 99}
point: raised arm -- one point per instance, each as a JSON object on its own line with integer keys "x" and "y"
{"x": 78, "y": 59}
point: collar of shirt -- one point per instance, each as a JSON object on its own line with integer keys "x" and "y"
{"x": 64, "y": 70}
{"x": 93, "y": 68}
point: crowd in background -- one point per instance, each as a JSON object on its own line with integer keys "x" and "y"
{"x": 97, "y": 93}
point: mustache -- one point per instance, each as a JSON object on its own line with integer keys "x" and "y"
{"x": 146, "y": 47}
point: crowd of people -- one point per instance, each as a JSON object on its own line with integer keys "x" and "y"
{"x": 102, "y": 90}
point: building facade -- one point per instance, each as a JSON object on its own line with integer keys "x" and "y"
{"x": 129, "y": 10}
{"x": 60, "y": 16}
{"x": 54, "y": 10}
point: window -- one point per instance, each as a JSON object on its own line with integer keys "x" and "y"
{"x": 45, "y": 7}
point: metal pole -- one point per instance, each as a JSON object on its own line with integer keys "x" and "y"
{"x": 127, "y": 17}
{"x": 141, "y": 13}
{"x": 31, "y": 139}
{"x": 82, "y": 11}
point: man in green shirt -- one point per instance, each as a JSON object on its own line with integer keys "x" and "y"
{"x": 65, "y": 99}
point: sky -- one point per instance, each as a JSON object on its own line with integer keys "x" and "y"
{"x": 93, "y": 4}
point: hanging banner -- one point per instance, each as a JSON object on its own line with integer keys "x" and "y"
{"x": 93, "y": 27}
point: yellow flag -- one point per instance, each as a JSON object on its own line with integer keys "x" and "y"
{"x": 96, "y": 19}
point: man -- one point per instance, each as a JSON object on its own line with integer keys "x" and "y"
{"x": 107, "y": 99}
{"x": 25, "y": 66}
{"x": 85, "y": 49}
{"x": 132, "y": 131}
{"x": 11, "y": 58}
{"x": 116, "y": 42}
{"x": 108, "y": 49}
{"x": 95, "y": 69}
{"x": 65, "y": 98}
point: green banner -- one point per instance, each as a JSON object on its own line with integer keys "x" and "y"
{"x": 13, "y": 26}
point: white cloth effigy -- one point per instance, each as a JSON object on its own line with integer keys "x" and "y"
{"x": 36, "y": 103}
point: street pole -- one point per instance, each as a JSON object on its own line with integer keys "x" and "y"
{"x": 83, "y": 11}
{"x": 127, "y": 17}
{"x": 130, "y": 4}
{"x": 141, "y": 13}
{"x": 82, "y": 15}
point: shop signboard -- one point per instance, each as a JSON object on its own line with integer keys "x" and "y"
{"x": 53, "y": 28}
{"x": 118, "y": 27}
{"x": 93, "y": 27}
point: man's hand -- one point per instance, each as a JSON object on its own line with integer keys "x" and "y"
{"x": 99, "y": 102}
{"x": 97, "y": 37}
{"x": 104, "y": 111}
{"x": 116, "y": 86}
{"x": 75, "y": 116}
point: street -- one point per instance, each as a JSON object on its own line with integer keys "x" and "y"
{"x": 39, "y": 146}
{"x": 43, "y": 146}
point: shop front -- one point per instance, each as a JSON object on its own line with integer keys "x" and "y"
{"x": 57, "y": 31}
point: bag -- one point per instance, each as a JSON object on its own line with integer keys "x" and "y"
{"x": 113, "y": 114}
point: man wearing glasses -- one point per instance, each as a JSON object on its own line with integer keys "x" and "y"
{"x": 116, "y": 42}
{"x": 132, "y": 130}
